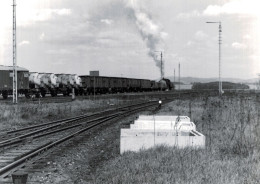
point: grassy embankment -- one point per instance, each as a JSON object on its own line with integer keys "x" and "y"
{"x": 232, "y": 154}
{"x": 25, "y": 114}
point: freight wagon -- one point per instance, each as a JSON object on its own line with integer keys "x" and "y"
{"x": 134, "y": 85}
{"x": 42, "y": 83}
{"x": 98, "y": 84}
{"x": 6, "y": 81}
{"x": 146, "y": 85}
{"x": 68, "y": 82}
{"x": 117, "y": 85}
{"x": 103, "y": 85}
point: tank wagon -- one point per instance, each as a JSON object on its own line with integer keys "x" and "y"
{"x": 42, "y": 83}
{"x": 6, "y": 80}
{"x": 69, "y": 81}
{"x": 76, "y": 82}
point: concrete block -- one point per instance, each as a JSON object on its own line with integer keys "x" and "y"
{"x": 149, "y": 131}
{"x": 134, "y": 140}
{"x": 163, "y": 122}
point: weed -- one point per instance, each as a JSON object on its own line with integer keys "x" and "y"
{"x": 231, "y": 127}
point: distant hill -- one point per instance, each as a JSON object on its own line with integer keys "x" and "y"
{"x": 214, "y": 85}
{"x": 191, "y": 80}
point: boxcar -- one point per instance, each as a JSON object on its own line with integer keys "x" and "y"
{"x": 120, "y": 84}
{"x": 115, "y": 84}
{"x": 97, "y": 83}
{"x": 124, "y": 87}
{"x": 101, "y": 84}
{"x": 104, "y": 85}
{"x": 6, "y": 80}
{"x": 145, "y": 85}
{"x": 134, "y": 85}
{"x": 155, "y": 86}
{"x": 86, "y": 81}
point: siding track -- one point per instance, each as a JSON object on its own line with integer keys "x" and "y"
{"x": 23, "y": 147}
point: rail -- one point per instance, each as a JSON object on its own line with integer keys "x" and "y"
{"x": 127, "y": 110}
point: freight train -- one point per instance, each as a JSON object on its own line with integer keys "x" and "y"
{"x": 103, "y": 85}
{"x": 39, "y": 84}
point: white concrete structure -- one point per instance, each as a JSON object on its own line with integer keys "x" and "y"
{"x": 148, "y": 131}
{"x": 164, "y": 123}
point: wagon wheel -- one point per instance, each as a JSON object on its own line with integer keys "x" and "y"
{"x": 5, "y": 94}
{"x": 27, "y": 95}
{"x": 43, "y": 93}
{"x": 53, "y": 93}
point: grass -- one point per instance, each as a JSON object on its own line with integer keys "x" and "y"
{"x": 170, "y": 165}
{"x": 232, "y": 154}
{"x": 231, "y": 127}
{"x": 25, "y": 114}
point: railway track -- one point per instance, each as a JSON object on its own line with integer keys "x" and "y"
{"x": 23, "y": 147}
{"x": 123, "y": 96}
{"x": 137, "y": 95}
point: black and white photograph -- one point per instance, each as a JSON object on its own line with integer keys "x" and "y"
{"x": 129, "y": 92}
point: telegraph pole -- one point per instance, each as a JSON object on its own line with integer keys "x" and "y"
{"x": 14, "y": 55}
{"x": 219, "y": 48}
{"x": 219, "y": 56}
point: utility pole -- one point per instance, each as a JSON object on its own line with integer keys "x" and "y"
{"x": 219, "y": 57}
{"x": 14, "y": 55}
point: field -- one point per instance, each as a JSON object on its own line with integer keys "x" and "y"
{"x": 230, "y": 124}
{"x": 28, "y": 113}
{"x": 232, "y": 154}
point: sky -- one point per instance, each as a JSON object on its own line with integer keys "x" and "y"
{"x": 124, "y": 38}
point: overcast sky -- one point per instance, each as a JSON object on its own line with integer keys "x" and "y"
{"x": 119, "y": 37}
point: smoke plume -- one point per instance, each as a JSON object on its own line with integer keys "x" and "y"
{"x": 151, "y": 33}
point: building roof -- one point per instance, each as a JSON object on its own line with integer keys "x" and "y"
{"x": 10, "y": 68}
